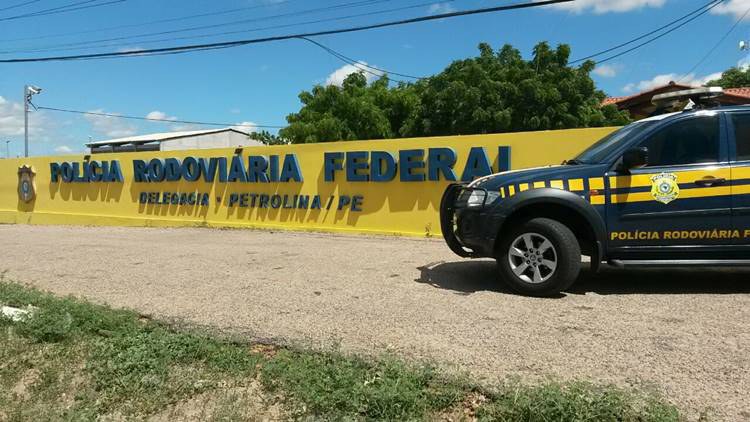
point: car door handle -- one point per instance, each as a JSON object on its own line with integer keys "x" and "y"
{"x": 710, "y": 181}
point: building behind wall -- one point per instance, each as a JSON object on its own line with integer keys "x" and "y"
{"x": 171, "y": 141}
{"x": 640, "y": 106}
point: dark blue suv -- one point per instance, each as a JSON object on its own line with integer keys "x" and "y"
{"x": 673, "y": 189}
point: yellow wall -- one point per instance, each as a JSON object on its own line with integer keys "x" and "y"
{"x": 407, "y": 208}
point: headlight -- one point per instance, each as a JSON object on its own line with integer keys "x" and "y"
{"x": 491, "y": 197}
{"x": 476, "y": 199}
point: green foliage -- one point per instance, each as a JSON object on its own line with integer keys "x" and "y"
{"x": 355, "y": 110}
{"x": 493, "y": 92}
{"x": 337, "y": 387}
{"x": 98, "y": 363}
{"x": 267, "y": 138}
{"x": 150, "y": 363}
{"x": 734, "y": 77}
{"x": 58, "y": 319}
{"x": 575, "y": 402}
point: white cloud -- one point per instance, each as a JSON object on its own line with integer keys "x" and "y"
{"x": 439, "y": 8}
{"x": 109, "y": 126}
{"x": 608, "y": 6}
{"x": 159, "y": 115}
{"x": 246, "y": 126}
{"x": 607, "y": 70}
{"x": 130, "y": 49}
{"x": 737, "y": 8}
{"x": 338, "y": 76}
{"x": 11, "y": 120}
{"x": 63, "y": 149}
{"x": 658, "y": 80}
{"x": 235, "y": 110}
{"x": 45, "y": 133}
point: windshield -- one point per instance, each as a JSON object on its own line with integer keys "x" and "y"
{"x": 597, "y": 152}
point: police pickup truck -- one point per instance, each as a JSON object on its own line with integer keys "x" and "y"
{"x": 673, "y": 189}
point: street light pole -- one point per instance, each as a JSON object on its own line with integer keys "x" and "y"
{"x": 7, "y": 149}
{"x": 26, "y": 99}
{"x": 28, "y": 92}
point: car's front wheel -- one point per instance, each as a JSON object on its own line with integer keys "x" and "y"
{"x": 541, "y": 257}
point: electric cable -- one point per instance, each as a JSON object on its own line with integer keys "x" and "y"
{"x": 711, "y": 51}
{"x": 62, "y": 9}
{"x": 123, "y": 116}
{"x": 19, "y": 5}
{"x": 649, "y": 41}
{"x": 243, "y": 31}
{"x": 358, "y": 63}
{"x": 134, "y": 25}
{"x": 237, "y": 43}
{"x": 618, "y": 46}
{"x": 197, "y": 28}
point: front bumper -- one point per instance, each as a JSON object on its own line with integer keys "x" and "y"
{"x": 469, "y": 231}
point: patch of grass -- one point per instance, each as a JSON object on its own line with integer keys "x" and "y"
{"x": 74, "y": 360}
{"x": 338, "y": 386}
{"x": 577, "y": 401}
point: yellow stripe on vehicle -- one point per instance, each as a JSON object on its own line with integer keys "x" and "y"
{"x": 523, "y": 186}
{"x": 684, "y": 194}
{"x": 557, "y": 184}
{"x": 687, "y": 176}
{"x": 538, "y": 185}
{"x": 575, "y": 184}
{"x": 739, "y": 173}
{"x": 596, "y": 183}
{"x": 511, "y": 190}
{"x": 598, "y": 200}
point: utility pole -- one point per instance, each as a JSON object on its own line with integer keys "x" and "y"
{"x": 28, "y": 92}
{"x": 7, "y": 149}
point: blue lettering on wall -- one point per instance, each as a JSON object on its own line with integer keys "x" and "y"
{"x": 332, "y": 161}
{"x": 356, "y": 161}
{"x": 291, "y": 169}
{"x": 410, "y": 160}
{"x": 86, "y": 171}
{"x": 477, "y": 165}
{"x": 441, "y": 160}
{"x": 383, "y": 166}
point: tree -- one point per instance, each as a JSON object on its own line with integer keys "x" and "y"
{"x": 493, "y": 92}
{"x": 733, "y": 77}
{"x": 267, "y": 138}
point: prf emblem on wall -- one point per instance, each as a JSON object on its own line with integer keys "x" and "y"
{"x": 26, "y": 186}
{"x": 664, "y": 187}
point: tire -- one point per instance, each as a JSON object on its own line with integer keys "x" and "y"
{"x": 529, "y": 270}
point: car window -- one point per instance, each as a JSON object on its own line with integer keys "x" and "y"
{"x": 690, "y": 141}
{"x": 741, "y": 123}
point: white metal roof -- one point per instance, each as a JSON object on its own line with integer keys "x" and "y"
{"x": 159, "y": 137}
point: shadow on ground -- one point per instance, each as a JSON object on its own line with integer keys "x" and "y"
{"x": 467, "y": 277}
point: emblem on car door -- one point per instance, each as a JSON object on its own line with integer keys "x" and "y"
{"x": 664, "y": 187}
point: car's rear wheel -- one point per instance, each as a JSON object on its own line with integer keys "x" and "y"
{"x": 541, "y": 257}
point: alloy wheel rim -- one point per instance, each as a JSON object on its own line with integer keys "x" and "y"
{"x": 532, "y": 258}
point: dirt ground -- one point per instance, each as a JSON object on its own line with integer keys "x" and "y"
{"x": 686, "y": 332}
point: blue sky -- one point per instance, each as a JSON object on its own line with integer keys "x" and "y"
{"x": 260, "y": 83}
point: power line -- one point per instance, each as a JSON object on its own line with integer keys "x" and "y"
{"x": 197, "y": 28}
{"x": 599, "y": 53}
{"x": 658, "y": 36}
{"x": 711, "y": 51}
{"x": 244, "y": 31}
{"x": 237, "y": 43}
{"x": 358, "y": 64}
{"x": 122, "y": 116}
{"x": 62, "y": 9}
{"x": 134, "y": 25}
{"x": 19, "y": 5}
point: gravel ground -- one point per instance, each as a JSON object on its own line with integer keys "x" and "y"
{"x": 685, "y": 332}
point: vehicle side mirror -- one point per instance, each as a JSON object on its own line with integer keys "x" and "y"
{"x": 635, "y": 158}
